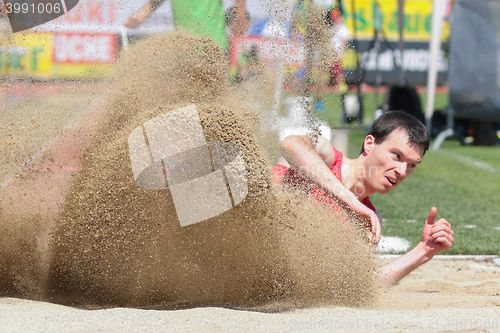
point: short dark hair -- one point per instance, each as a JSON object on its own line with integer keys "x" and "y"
{"x": 392, "y": 120}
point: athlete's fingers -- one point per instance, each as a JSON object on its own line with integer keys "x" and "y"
{"x": 443, "y": 221}
{"x": 379, "y": 234}
{"x": 444, "y": 241}
{"x": 439, "y": 234}
{"x": 432, "y": 216}
{"x": 373, "y": 223}
{"x": 446, "y": 223}
{"x": 378, "y": 231}
{"x": 441, "y": 227}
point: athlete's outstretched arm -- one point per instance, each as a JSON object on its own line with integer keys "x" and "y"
{"x": 312, "y": 162}
{"x": 436, "y": 237}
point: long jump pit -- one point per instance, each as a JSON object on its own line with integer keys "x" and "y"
{"x": 102, "y": 228}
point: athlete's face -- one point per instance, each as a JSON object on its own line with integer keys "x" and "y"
{"x": 391, "y": 161}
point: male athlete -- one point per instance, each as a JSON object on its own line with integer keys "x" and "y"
{"x": 391, "y": 151}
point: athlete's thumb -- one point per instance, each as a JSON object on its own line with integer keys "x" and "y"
{"x": 432, "y": 216}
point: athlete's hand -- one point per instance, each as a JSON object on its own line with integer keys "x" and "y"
{"x": 371, "y": 217}
{"x": 132, "y": 22}
{"x": 436, "y": 236}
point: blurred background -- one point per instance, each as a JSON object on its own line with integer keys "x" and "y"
{"x": 342, "y": 62}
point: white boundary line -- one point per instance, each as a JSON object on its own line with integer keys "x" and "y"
{"x": 470, "y": 162}
{"x": 444, "y": 257}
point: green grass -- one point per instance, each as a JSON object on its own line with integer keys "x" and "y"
{"x": 464, "y": 194}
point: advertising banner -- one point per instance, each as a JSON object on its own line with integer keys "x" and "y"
{"x": 82, "y": 43}
{"x": 109, "y": 16}
{"x": 417, "y": 20}
{"x": 27, "y": 55}
{"x": 374, "y": 39}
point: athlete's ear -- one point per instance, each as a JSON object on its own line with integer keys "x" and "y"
{"x": 369, "y": 143}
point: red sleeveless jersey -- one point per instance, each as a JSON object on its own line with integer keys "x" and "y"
{"x": 287, "y": 176}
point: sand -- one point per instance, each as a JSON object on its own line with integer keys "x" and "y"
{"x": 94, "y": 238}
{"x": 442, "y": 296}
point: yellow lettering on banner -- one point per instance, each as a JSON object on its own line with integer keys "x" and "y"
{"x": 27, "y": 54}
{"x": 417, "y": 22}
{"x": 32, "y": 55}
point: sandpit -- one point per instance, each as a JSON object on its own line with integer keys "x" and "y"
{"x": 442, "y": 296}
{"x": 76, "y": 230}
{"x": 110, "y": 243}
